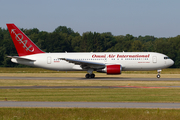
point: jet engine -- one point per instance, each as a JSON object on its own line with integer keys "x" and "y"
{"x": 112, "y": 69}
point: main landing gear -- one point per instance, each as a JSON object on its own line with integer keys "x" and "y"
{"x": 159, "y": 72}
{"x": 90, "y": 74}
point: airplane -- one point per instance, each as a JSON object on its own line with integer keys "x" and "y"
{"x": 106, "y": 62}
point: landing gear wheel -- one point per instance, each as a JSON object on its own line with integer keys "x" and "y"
{"x": 158, "y": 76}
{"x": 159, "y": 72}
{"x": 92, "y": 75}
{"x": 87, "y": 75}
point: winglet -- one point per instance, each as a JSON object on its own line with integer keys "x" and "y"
{"x": 23, "y": 44}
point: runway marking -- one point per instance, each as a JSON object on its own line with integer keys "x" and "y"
{"x": 139, "y": 87}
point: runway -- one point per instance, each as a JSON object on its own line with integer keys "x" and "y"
{"x": 89, "y": 105}
{"x": 80, "y": 87}
{"x": 97, "y": 78}
{"x": 91, "y": 87}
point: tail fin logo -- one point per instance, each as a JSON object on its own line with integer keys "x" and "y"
{"x": 19, "y": 38}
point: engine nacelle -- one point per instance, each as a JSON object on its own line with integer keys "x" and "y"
{"x": 113, "y": 69}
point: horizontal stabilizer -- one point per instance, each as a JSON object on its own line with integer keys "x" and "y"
{"x": 17, "y": 57}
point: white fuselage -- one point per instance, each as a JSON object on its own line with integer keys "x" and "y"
{"x": 130, "y": 61}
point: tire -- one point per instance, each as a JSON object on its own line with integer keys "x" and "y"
{"x": 87, "y": 75}
{"x": 158, "y": 76}
{"x": 92, "y": 75}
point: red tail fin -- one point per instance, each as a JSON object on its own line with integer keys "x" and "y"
{"x": 23, "y": 44}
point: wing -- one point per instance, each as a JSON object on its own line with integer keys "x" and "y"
{"x": 85, "y": 64}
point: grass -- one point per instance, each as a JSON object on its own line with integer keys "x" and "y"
{"x": 87, "y": 114}
{"x": 92, "y": 95}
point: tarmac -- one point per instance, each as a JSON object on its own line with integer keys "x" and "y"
{"x": 97, "y": 78}
{"x": 23, "y": 104}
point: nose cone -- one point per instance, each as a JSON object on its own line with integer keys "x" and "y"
{"x": 171, "y": 62}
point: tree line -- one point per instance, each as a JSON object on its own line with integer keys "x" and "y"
{"x": 65, "y": 39}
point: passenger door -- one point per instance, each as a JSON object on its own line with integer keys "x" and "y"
{"x": 49, "y": 60}
{"x": 154, "y": 59}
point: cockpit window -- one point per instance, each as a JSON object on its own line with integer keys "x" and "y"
{"x": 166, "y": 58}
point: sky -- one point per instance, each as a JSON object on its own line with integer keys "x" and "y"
{"x": 159, "y": 18}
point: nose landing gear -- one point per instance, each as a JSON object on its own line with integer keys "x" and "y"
{"x": 158, "y": 76}
{"x": 159, "y": 72}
